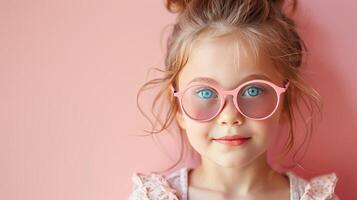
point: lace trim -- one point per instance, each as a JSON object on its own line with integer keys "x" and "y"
{"x": 153, "y": 187}
{"x": 320, "y": 188}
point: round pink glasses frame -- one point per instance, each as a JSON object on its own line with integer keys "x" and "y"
{"x": 222, "y": 93}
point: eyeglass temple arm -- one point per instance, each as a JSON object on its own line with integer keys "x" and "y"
{"x": 173, "y": 90}
{"x": 286, "y": 83}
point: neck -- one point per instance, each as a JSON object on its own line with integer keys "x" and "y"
{"x": 240, "y": 180}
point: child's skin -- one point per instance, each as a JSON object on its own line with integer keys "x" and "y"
{"x": 225, "y": 172}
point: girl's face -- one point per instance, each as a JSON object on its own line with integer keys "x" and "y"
{"x": 220, "y": 60}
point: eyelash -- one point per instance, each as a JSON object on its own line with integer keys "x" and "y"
{"x": 260, "y": 90}
{"x": 203, "y": 89}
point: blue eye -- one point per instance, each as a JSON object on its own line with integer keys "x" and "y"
{"x": 206, "y": 93}
{"x": 253, "y": 91}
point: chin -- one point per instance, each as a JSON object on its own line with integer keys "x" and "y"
{"x": 232, "y": 163}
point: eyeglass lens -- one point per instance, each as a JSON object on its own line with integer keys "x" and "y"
{"x": 255, "y": 100}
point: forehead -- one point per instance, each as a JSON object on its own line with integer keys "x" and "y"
{"x": 228, "y": 61}
{"x": 246, "y": 78}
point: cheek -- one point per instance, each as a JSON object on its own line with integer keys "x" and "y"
{"x": 198, "y": 134}
{"x": 265, "y": 131}
{"x": 269, "y": 128}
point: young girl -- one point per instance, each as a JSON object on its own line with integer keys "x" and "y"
{"x": 232, "y": 79}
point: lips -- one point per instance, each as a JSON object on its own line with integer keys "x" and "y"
{"x": 234, "y": 140}
{"x": 232, "y": 137}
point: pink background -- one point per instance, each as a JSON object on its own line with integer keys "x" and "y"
{"x": 69, "y": 73}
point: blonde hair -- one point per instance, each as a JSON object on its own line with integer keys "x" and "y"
{"x": 259, "y": 22}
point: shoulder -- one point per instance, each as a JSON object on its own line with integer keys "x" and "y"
{"x": 157, "y": 186}
{"x": 320, "y": 187}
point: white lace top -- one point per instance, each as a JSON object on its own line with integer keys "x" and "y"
{"x": 175, "y": 186}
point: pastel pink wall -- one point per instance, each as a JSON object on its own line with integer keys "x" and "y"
{"x": 69, "y": 73}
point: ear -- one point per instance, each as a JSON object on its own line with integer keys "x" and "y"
{"x": 180, "y": 120}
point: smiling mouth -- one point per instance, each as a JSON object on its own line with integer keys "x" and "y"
{"x": 232, "y": 142}
{"x": 232, "y": 137}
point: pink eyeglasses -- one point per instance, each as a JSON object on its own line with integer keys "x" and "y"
{"x": 255, "y": 99}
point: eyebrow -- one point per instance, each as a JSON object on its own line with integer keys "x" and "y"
{"x": 249, "y": 77}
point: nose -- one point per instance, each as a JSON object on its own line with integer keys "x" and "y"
{"x": 229, "y": 114}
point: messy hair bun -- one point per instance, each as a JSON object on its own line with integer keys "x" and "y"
{"x": 178, "y": 6}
